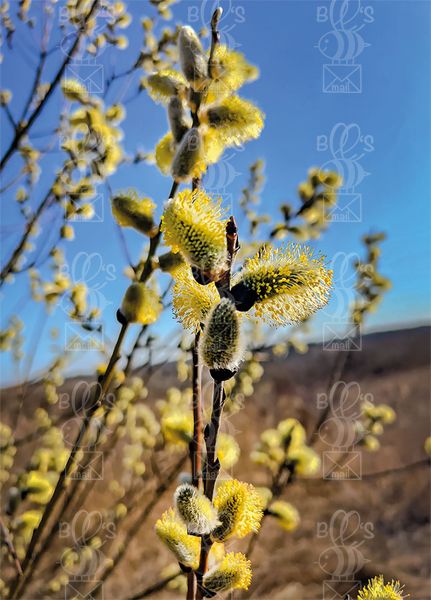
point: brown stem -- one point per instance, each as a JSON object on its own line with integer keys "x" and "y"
{"x": 9, "y": 544}
{"x": 210, "y": 474}
{"x": 196, "y": 443}
{"x": 10, "y": 265}
{"x": 156, "y": 587}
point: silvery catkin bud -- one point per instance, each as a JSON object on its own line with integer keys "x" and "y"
{"x": 188, "y": 156}
{"x": 220, "y": 346}
{"x": 178, "y": 119}
{"x": 195, "y": 510}
{"x": 193, "y": 61}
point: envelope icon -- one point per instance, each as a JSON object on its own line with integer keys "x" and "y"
{"x": 340, "y": 468}
{"x": 331, "y": 587}
{"x": 342, "y": 79}
{"x": 90, "y": 74}
{"x": 351, "y": 342}
{"x": 347, "y": 210}
{"x": 78, "y": 339}
{"x": 90, "y": 467}
{"x": 97, "y": 204}
{"x": 72, "y": 591}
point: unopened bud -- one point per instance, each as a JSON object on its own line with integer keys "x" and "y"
{"x": 188, "y": 156}
{"x": 195, "y": 509}
{"x": 178, "y": 118}
{"x": 221, "y": 347}
{"x": 193, "y": 61}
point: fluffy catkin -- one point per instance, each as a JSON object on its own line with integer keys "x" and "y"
{"x": 220, "y": 346}
{"x": 173, "y": 533}
{"x": 195, "y": 509}
{"x": 239, "y": 509}
{"x": 193, "y": 61}
{"x": 187, "y": 159}
{"x": 192, "y": 224}
{"x": 233, "y": 572}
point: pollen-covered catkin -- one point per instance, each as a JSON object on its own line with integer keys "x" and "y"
{"x": 174, "y": 534}
{"x": 187, "y": 161}
{"x": 240, "y": 510}
{"x": 220, "y": 345}
{"x": 195, "y": 509}
{"x": 233, "y": 572}
{"x": 193, "y": 61}
{"x": 192, "y": 224}
{"x": 283, "y": 285}
{"x": 179, "y": 121}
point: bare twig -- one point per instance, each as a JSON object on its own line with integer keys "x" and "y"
{"x": 156, "y": 587}
{"x": 196, "y": 443}
{"x": 23, "y": 127}
{"x": 7, "y": 540}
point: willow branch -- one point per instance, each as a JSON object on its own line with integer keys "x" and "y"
{"x": 100, "y": 394}
{"x": 156, "y": 587}
{"x": 210, "y": 474}
{"x": 7, "y": 540}
{"x": 196, "y": 443}
{"x": 23, "y": 128}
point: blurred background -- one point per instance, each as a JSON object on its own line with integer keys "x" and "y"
{"x": 345, "y": 87}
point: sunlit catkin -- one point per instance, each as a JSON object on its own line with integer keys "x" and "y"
{"x": 191, "y": 301}
{"x": 220, "y": 346}
{"x": 174, "y": 534}
{"x": 193, "y": 61}
{"x": 235, "y": 120}
{"x": 239, "y": 508}
{"x": 163, "y": 85}
{"x": 232, "y": 573}
{"x": 192, "y": 224}
{"x": 284, "y": 286}
{"x": 377, "y": 589}
{"x": 195, "y": 509}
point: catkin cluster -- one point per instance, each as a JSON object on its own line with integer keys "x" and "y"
{"x": 236, "y": 511}
{"x": 206, "y": 89}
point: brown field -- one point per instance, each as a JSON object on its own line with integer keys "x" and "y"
{"x": 388, "y": 528}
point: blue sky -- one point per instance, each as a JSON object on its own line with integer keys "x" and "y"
{"x": 385, "y": 153}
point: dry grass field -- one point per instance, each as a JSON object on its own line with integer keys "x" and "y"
{"x": 387, "y": 514}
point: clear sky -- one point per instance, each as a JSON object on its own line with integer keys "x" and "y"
{"x": 377, "y": 134}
